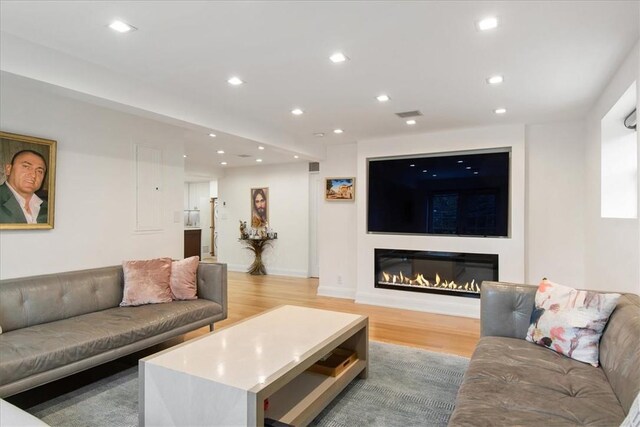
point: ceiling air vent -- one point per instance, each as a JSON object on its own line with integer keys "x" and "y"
{"x": 314, "y": 167}
{"x": 244, "y": 156}
{"x": 408, "y": 114}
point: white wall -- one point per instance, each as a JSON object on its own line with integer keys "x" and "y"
{"x": 555, "y": 224}
{"x": 95, "y": 185}
{"x": 337, "y": 227}
{"x": 288, "y": 216}
{"x": 613, "y": 245}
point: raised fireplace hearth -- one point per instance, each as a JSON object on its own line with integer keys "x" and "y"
{"x": 448, "y": 273}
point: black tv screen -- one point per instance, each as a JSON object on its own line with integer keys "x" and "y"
{"x": 464, "y": 194}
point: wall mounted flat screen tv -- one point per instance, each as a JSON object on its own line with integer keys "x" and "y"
{"x": 464, "y": 194}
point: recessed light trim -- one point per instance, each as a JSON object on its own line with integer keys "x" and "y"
{"x": 383, "y": 98}
{"x": 488, "y": 23}
{"x": 235, "y": 81}
{"x": 338, "y": 57}
{"x": 500, "y": 110}
{"x": 223, "y": 163}
{"x": 259, "y": 160}
{"x": 318, "y": 134}
{"x": 495, "y": 80}
{"x": 212, "y": 135}
{"x": 296, "y": 157}
{"x": 220, "y": 151}
{"x": 121, "y": 27}
{"x": 338, "y": 131}
{"x": 297, "y": 112}
{"x": 184, "y": 155}
{"x": 412, "y": 165}
{"x": 411, "y": 122}
{"x": 260, "y": 147}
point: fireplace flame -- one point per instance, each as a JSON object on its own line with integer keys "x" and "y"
{"x": 421, "y": 281}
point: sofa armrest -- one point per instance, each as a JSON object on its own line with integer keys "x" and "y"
{"x": 505, "y": 309}
{"x": 212, "y": 284}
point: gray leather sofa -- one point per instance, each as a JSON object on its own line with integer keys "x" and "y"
{"x": 511, "y": 381}
{"x": 59, "y": 324}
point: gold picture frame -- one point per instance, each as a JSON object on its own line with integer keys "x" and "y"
{"x": 340, "y": 189}
{"x": 259, "y": 207}
{"x": 22, "y": 158}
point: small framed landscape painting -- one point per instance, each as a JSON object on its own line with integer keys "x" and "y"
{"x": 27, "y": 182}
{"x": 340, "y": 189}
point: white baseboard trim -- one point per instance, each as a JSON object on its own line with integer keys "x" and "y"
{"x": 337, "y": 292}
{"x": 270, "y": 271}
{"x": 463, "y": 307}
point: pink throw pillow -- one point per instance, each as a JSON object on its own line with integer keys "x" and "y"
{"x": 183, "y": 278}
{"x": 146, "y": 282}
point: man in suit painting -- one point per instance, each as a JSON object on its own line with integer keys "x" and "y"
{"x": 18, "y": 202}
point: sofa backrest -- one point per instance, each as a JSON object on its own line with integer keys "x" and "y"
{"x": 29, "y": 301}
{"x": 620, "y": 349}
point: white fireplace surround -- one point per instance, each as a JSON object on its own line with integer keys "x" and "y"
{"x": 510, "y": 250}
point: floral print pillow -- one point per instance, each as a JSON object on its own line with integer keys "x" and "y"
{"x": 569, "y": 321}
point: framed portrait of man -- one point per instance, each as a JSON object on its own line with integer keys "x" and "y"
{"x": 259, "y": 207}
{"x": 27, "y": 182}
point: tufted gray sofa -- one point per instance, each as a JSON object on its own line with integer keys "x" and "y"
{"x": 59, "y": 324}
{"x": 511, "y": 381}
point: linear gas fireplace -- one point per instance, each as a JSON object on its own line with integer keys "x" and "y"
{"x": 449, "y": 273}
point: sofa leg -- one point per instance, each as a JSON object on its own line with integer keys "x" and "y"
{"x": 211, "y": 327}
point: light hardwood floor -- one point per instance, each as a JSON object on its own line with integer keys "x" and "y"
{"x": 250, "y": 295}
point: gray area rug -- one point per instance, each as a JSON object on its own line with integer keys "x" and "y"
{"x": 406, "y": 387}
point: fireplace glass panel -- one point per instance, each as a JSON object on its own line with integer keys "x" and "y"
{"x": 449, "y": 273}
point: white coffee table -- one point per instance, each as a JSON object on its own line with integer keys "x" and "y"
{"x": 223, "y": 378}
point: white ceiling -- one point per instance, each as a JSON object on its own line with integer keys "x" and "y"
{"x": 556, "y": 58}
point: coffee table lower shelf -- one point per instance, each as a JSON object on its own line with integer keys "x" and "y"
{"x": 304, "y": 397}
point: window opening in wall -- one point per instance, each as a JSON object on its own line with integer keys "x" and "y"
{"x": 619, "y": 160}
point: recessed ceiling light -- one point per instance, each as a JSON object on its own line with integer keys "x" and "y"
{"x": 468, "y": 167}
{"x": 412, "y": 165}
{"x": 259, "y": 160}
{"x": 235, "y": 81}
{"x": 223, "y": 163}
{"x": 424, "y": 171}
{"x": 260, "y": 147}
{"x": 411, "y": 122}
{"x": 495, "y": 80}
{"x": 318, "y": 134}
{"x": 220, "y": 151}
{"x": 212, "y": 135}
{"x": 383, "y": 98}
{"x": 338, "y": 57}
{"x": 487, "y": 23}
{"x": 184, "y": 155}
{"x": 500, "y": 110}
{"x": 121, "y": 27}
{"x": 460, "y": 161}
{"x": 434, "y": 175}
{"x": 296, "y": 157}
{"x": 475, "y": 173}
{"x": 338, "y": 131}
{"x": 297, "y": 112}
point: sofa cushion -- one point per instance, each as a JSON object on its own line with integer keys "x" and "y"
{"x": 570, "y": 321}
{"x": 511, "y": 379}
{"x": 183, "y": 278}
{"x": 39, "y": 348}
{"x": 146, "y": 281}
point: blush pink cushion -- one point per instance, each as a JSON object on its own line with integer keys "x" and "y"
{"x": 183, "y": 278}
{"x": 146, "y": 282}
